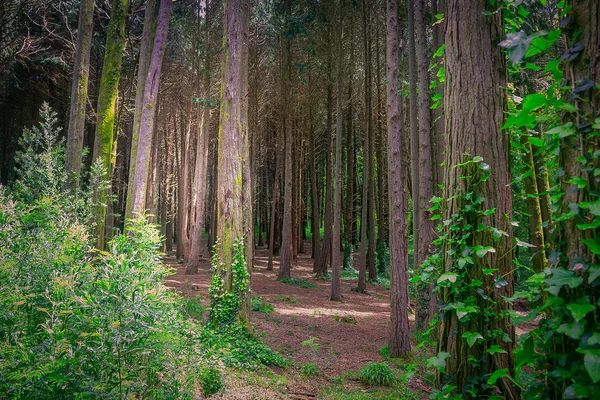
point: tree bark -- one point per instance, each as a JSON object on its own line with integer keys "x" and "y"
{"x": 399, "y": 343}
{"x": 474, "y": 116}
{"x": 414, "y": 131}
{"x": 79, "y": 90}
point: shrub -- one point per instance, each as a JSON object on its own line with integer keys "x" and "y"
{"x": 192, "y": 308}
{"x": 258, "y": 304}
{"x": 211, "y": 381}
{"x": 377, "y": 374}
{"x": 299, "y": 282}
{"x": 310, "y": 369}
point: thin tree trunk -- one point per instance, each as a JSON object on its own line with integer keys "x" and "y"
{"x": 399, "y": 343}
{"x": 315, "y": 212}
{"x": 79, "y": 90}
{"x": 414, "y": 132}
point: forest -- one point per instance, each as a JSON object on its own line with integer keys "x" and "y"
{"x": 300, "y": 199}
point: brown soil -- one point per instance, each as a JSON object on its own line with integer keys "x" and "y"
{"x": 348, "y": 333}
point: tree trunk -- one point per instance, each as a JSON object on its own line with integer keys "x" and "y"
{"x": 81, "y": 72}
{"x": 414, "y": 131}
{"x": 399, "y": 343}
{"x": 152, "y": 83}
{"x": 107, "y": 102}
{"x": 474, "y": 112}
{"x": 314, "y": 191}
{"x": 274, "y": 203}
{"x": 427, "y": 301}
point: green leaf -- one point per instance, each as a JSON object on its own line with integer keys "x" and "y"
{"x": 563, "y": 131}
{"x": 562, "y": 277}
{"x": 594, "y": 207}
{"x": 581, "y": 308}
{"x": 481, "y": 252}
{"x": 439, "y": 361}
{"x": 537, "y": 142}
{"x": 594, "y": 339}
{"x": 594, "y": 273}
{"x": 574, "y": 330}
{"x": 448, "y": 276}
{"x": 576, "y": 391}
{"x": 592, "y": 364}
{"x": 501, "y": 373}
{"x": 471, "y": 337}
{"x": 593, "y": 244}
{"x": 496, "y": 349}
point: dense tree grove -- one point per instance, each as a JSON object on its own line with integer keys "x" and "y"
{"x": 441, "y": 155}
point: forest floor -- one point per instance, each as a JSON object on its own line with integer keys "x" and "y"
{"x": 308, "y": 328}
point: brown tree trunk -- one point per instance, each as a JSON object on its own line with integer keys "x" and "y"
{"x": 399, "y": 343}
{"x": 474, "y": 112}
{"x": 81, "y": 72}
{"x": 414, "y": 131}
{"x": 314, "y": 191}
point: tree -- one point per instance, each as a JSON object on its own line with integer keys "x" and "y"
{"x": 81, "y": 71}
{"x": 399, "y": 343}
{"x": 152, "y": 83}
{"x": 474, "y": 116}
{"x": 230, "y": 221}
{"x": 107, "y": 104}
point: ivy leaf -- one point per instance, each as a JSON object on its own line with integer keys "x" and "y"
{"x": 471, "y": 337}
{"x": 448, "y": 276}
{"x": 517, "y": 45}
{"x": 592, "y": 225}
{"x": 576, "y": 391}
{"x": 594, "y": 272}
{"x": 523, "y": 244}
{"x": 592, "y": 364}
{"x": 593, "y": 244}
{"x": 563, "y": 131}
{"x": 561, "y": 277}
{"x": 574, "y": 330}
{"x": 439, "y": 361}
{"x": 496, "y": 349}
{"x": 594, "y": 207}
{"x": 482, "y": 251}
{"x": 533, "y": 101}
{"x": 537, "y": 142}
{"x": 581, "y": 308}
{"x": 501, "y": 373}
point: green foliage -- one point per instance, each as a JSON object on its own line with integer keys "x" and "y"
{"x": 385, "y": 352}
{"x": 211, "y": 379}
{"x": 348, "y": 249}
{"x": 382, "y": 260}
{"x": 77, "y": 322}
{"x": 377, "y": 374}
{"x": 287, "y": 299}
{"x": 310, "y": 370}
{"x": 299, "y": 282}
{"x": 192, "y": 308}
{"x": 258, "y": 304}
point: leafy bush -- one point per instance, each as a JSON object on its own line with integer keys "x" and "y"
{"x": 211, "y": 381}
{"x": 258, "y": 304}
{"x": 310, "y": 369}
{"x": 299, "y": 282}
{"x": 77, "y": 322}
{"x": 377, "y": 374}
{"x": 192, "y": 307}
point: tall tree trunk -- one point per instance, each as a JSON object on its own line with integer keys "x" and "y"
{"x": 274, "y": 202}
{"x": 399, "y": 343}
{"x": 183, "y": 204}
{"x": 79, "y": 89}
{"x": 349, "y": 203}
{"x": 230, "y": 153}
{"x": 152, "y": 83}
{"x": 427, "y": 300}
{"x": 286, "y": 251}
{"x": 314, "y": 191}
{"x": 106, "y": 108}
{"x": 438, "y": 7}
{"x": 150, "y": 207}
{"x": 146, "y": 45}
{"x": 336, "y": 261}
{"x": 474, "y": 112}
{"x": 414, "y": 131}
{"x": 200, "y": 170}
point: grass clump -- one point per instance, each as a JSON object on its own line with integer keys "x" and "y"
{"x": 299, "y": 282}
{"x": 192, "y": 308}
{"x": 377, "y": 374}
{"x": 258, "y": 304}
{"x": 287, "y": 299}
{"x": 212, "y": 381}
{"x": 310, "y": 370}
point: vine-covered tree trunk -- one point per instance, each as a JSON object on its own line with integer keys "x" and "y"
{"x": 79, "y": 90}
{"x": 146, "y": 44}
{"x": 230, "y": 153}
{"x": 106, "y": 108}
{"x": 399, "y": 343}
{"x": 427, "y": 300}
{"x": 146, "y": 129}
{"x": 474, "y": 112}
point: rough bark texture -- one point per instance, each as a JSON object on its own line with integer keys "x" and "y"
{"x": 147, "y": 42}
{"x": 107, "y": 104}
{"x": 152, "y": 83}
{"x": 314, "y": 188}
{"x": 230, "y": 180}
{"x": 427, "y": 300}
{"x": 414, "y": 131}
{"x": 474, "y": 112}
{"x": 81, "y": 72}
{"x": 336, "y": 261}
{"x": 398, "y": 235}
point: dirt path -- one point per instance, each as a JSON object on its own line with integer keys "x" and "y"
{"x": 346, "y": 334}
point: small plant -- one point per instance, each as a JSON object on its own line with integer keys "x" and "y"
{"x": 287, "y": 299}
{"x": 385, "y": 352}
{"x": 377, "y": 374}
{"x": 346, "y": 319}
{"x": 193, "y": 308}
{"x": 299, "y": 282}
{"x": 310, "y": 369}
{"x": 258, "y": 304}
{"x": 211, "y": 381}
